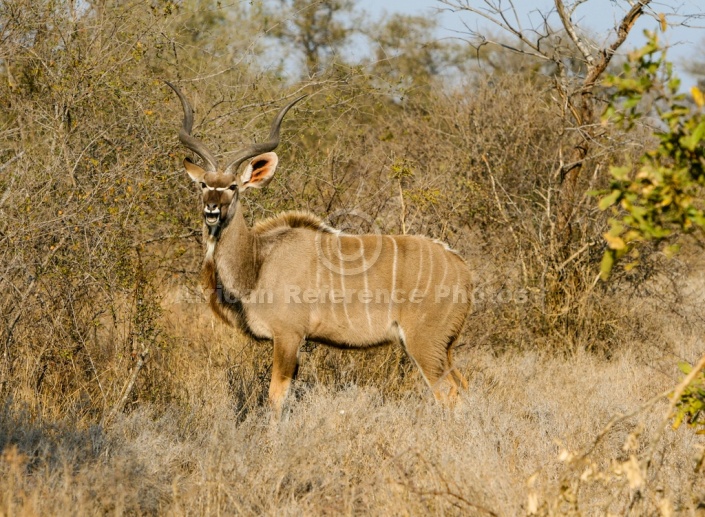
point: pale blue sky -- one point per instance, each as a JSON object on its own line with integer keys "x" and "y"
{"x": 598, "y": 16}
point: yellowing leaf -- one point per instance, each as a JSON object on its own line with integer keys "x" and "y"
{"x": 667, "y": 200}
{"x": 630, "y": 266}
{"x": 662, "y": 20}
{"x": 614, "y": 242}
{"x": 697, "y": 96}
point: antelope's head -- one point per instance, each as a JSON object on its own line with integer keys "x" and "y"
{"x": 221, "y": 188}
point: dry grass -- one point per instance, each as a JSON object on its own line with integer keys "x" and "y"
{"x": 368, "y": 439}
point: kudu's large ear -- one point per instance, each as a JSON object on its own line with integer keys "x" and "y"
{"x": 259, "y": 171}
{"x": 194, "y": 170}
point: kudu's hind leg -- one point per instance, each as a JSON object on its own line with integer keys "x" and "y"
{"x": 286, "y": 349}
{"x": 459, "y": 377}
{"x": 434, "y": 361}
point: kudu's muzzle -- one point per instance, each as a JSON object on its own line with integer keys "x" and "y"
{"x": 211, "y": 213}
{"x": 212, "y": 217}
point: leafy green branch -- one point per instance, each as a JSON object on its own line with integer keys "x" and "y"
{"x": 661, "y": 197}
{"x": 690, "y": 406}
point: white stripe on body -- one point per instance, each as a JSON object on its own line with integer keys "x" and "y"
{"x": 330, "y": 286}
{"x": 367, "y": 286}
{"x": 419, "y": 272}
{"x": 430, "y": 268}
{"x": 342, "y": 272}
{"x": 394, "y": 282}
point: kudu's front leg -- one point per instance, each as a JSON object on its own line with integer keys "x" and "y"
{"x": 286, "y": 350}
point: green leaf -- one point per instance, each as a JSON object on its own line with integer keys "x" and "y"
{"x": 606, "y": 264}
{"x": 691, "y": 142}
{"x": 595, "y": 193}
{"x": 609, "y": 199}
{"x": 620, "y": 173}
{"x": 685, "y": 367}
{"x": 671, "y": 251}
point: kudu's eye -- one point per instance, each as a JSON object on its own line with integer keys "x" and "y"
{"x": 233, "y": 186}
{"x": 203, "y": 184}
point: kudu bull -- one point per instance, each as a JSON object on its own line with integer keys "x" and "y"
{"x": 293, "y": 278}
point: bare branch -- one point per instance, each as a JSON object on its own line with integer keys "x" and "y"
{"x": 575, "y": 6}
{"x": 623, "y": 30}
{"x": 570, "y": 29}
{"x": 127, "y": 390}
{"x": 500, "y": 20}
